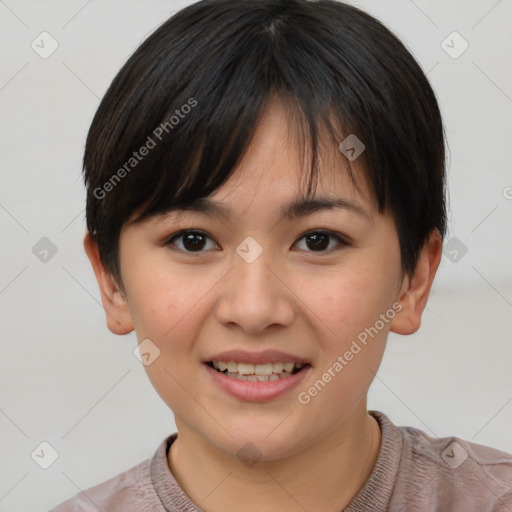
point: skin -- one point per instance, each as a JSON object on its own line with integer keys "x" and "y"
{"x": 313, "y": 304}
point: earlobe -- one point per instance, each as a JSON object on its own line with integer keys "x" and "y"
{"x": 119, "y": 320}
{"x": 415, "y": 289}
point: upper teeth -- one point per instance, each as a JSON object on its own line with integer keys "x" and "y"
{"x": 255, "y": 369}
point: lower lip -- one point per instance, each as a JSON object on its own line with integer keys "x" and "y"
{"x": 256, "y": 391}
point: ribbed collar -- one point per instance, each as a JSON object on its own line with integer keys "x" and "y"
{"x": 376, "y": 493}
{"x": 374, "y": 496}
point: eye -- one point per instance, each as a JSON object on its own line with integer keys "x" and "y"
{"x": 191, "y": 241}
{"x": 318, "y": 241}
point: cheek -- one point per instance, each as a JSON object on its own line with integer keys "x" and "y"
{"x": 165, "y": 301}
{"x": 351, "y": 304}
{"x": 168, "y": 311}
{"x": 352, "y": 300}
{"x": 353, "y": 345}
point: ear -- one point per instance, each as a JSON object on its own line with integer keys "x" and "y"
{"x": 415, "y": 289}
{"x": 119, "y": 320}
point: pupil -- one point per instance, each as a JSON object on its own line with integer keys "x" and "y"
{"x": 193, "y": 241}
{"x": 320, "y": 241}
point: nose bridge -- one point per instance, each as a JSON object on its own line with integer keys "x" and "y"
{"x": 251, "y": 273}
{"x": 252, "y": 265}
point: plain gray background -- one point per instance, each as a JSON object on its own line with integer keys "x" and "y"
{"x": 66, "y": 380}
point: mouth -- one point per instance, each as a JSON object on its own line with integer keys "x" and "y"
{"x": 257, "y": 377}
{"x": 265, "y": 372}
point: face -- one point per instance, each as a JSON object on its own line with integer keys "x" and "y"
{"x": 301, "y": 288}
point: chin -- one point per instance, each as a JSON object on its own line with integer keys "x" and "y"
{"x": 252, "y": 444}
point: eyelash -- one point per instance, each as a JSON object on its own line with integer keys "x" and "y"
{"x": 344, "y": 242}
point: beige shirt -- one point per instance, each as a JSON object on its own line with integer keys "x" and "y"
{"x": 413, "y": 473}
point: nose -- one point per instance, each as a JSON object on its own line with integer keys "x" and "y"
{"x": 255, "y": 296}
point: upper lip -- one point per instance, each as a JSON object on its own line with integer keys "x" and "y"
{"x": 265, "y": 356}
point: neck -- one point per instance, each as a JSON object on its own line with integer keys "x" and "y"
{"x": 326, "y": 476}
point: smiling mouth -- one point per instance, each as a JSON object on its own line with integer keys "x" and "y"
{"x": 267, "y": 372}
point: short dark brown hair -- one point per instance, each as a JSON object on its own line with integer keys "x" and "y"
{"x": 194, "y": 90}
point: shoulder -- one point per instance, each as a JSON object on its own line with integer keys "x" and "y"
{"x": 131, "y": 490}
{"x": 456, "y": 474}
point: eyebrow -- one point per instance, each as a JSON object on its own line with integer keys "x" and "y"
{"x": 300, "y": 207}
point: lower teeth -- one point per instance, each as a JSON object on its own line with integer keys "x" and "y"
{"x": 258, "y": 378}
